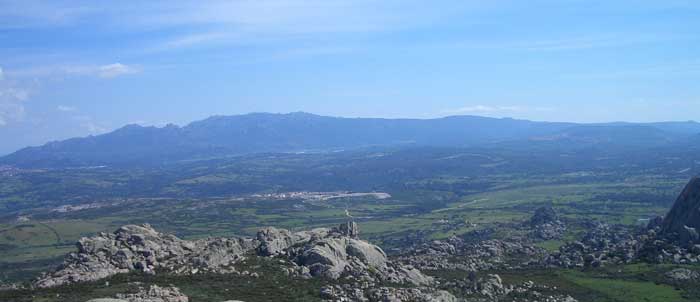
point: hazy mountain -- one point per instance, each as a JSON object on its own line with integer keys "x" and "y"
{"x": 625, "y": 135}
{"x": 297, "y": 132}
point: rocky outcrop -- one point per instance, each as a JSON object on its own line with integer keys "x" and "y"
{"x": 349, "y": 229}
{"x": 347, "y": 257}
{"x": 683, "y": 220}
{"x": 329, "y": 257}
{"x": 602, "y": 244}
{"x": 335, "y": 253}
{"x": 491, "y": 288}
{"x": 385, "y": 294}
{"x": 410, "y": 294}
{"x": 682, "y": 274}
{"x": 141, "y": 248}
{"x": 655, "y": 223}
{"x": 672, "y": 239}
{"x": 154, "y": 293}
{"x": 328, "y": 253}
{"x": 546, "y": 224}
{"x": 274, "y": 241}
{"x": 675, "y": 238}
{"x": 455, "y": 254}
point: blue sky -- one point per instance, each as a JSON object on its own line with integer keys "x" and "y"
{"x": 79, "y": 68}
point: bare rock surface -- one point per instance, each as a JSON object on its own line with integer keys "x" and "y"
{"x": 274, "y": 241}
{"x": 682, "y": 274}
{"x": 154, "y": 293}
{"x": 141, "y": 248}
{"x": 685, "y": 213}
{"x": 337, "y": 253}
{"x": 328, "y": 253}
{"x": 385, "y": 294}
{"x": 602, "y": 244}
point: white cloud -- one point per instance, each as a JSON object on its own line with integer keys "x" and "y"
{"x": 10, "y": 111}
{"x": 190, "y": 40}
{"x": 15, "y": 87}
{"x": 102, "y": 71}
{"x": 490, "y": 110}
{"x": 232, "y": 20}
{"x": 25, "y": 14}
{"x": 65, "y": 108}
{"x": 12, "y": 104}
{"x": 115, "y": 70}
{"x": 13, "y": 94}
{"x": 89, "y": 124}
{"x": 260, "y": 22}
{"x": 12, "y": 98}
{"x": 485, "y": 108}
{"x": 93, "y": 128}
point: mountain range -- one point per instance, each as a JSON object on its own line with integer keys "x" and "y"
{"x": 219, "y": 136}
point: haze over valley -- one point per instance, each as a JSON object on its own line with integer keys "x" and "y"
{"x": 342, "y": 151}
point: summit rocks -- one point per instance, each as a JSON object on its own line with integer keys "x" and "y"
{"x": 142, "y": 248}
{"x": 329, "y": 253}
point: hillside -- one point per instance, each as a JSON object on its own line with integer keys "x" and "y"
{"x": 303, "y": 132}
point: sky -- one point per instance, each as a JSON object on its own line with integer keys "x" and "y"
{"x": 78, "y": 68}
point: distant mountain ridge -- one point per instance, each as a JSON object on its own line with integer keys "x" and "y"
{"x": 299, "y": 131}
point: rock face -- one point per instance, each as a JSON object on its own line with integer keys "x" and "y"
{"x": 330, "y": 256}
{"x": 683, "y": 220}
{"x": 274, "y": 241}
{"x": 335, "y": 253}
{"x": 141, "y": 248}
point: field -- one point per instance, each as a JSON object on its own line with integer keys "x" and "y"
{"x": 47, "y": 211}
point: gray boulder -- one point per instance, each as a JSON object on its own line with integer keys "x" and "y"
{"x": 688, "y": 236}
{"x": 154, "y": 293}
{"x": 330, "y": 257}
{"x": 390, "y": 294}
{"x": 491, "y": 286}
{"x": 141, "y": 248}
{"x": 338, "y": 254}
{"x": 682, "y": 274}
{"x": 274, "y": 241}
